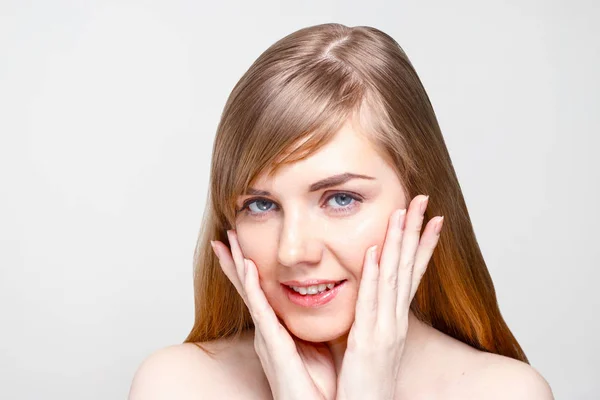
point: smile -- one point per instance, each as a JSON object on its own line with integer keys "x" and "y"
{"x": 313, "y": 295}
{"x": 314, "y": 289}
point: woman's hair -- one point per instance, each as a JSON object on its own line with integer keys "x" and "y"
{"x": 289, "y": 103}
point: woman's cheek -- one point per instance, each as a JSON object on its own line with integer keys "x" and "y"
{"x": 258, "y": 245}
{"x": 352, "y": 244}
{"x": 256, "y": 239}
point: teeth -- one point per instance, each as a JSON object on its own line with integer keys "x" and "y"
{"x": 314, "y": 289}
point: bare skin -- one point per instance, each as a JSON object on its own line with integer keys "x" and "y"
{"x": 302, "y": 238}
{"x": 441, "y": 368}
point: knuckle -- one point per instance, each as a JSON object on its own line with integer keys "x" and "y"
{"x": 407, "y": 263}
{"x": 372, "y": 307}
{"x": 392, "y": 281}
{"x": 372, "y": 279}
{"x": 398, "y": 240}
{"x": 418, "y": 225}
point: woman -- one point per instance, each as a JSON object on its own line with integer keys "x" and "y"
{"x": 316, "y": 274}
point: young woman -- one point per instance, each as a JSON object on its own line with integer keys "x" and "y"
{"x": 322, "y": 270}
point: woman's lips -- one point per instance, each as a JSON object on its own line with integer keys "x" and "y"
{"x": 311, "y": 282}
{"x": 313, "y": 300}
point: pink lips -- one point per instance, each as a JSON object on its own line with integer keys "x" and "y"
{"x": 312, "y": 300}
{"x": 310, "y": 282}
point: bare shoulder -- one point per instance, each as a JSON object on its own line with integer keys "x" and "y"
{"x": 463, "y": 372}
{"x": 181, "y": 371}
{"x": 186, "y": 371}
{"x": 493, "y": 376}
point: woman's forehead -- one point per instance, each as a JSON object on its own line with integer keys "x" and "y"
{"x": 348, "y": 151}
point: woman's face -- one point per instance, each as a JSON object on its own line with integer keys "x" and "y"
{"x": 313, "y": 222}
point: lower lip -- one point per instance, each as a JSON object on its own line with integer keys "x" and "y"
{"x": 313, "y": 300}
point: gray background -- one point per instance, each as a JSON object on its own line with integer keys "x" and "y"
{"x": 108, "y": 113}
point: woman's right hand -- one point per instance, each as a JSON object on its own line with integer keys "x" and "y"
{"x": 295, "y": 369}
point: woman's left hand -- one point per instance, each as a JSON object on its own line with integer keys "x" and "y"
{"x": 376, "y": 340}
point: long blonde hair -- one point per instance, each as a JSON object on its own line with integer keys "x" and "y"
{"x": 289, "y": 103}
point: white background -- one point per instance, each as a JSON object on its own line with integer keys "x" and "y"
{"x": 107, "y": 116}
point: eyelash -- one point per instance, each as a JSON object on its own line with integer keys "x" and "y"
{"x": 338, "y": 210}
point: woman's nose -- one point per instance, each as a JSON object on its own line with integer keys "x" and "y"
{"x": 298, "y": 242}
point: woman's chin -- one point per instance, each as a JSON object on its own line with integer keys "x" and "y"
{"x": 317, "y": 333}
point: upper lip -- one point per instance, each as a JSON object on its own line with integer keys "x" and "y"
{"x": 311, "y": 282}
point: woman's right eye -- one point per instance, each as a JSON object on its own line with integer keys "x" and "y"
{"x": 259, "y": 206}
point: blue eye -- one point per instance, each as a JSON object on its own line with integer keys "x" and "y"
{"x": 341, "y": 199}
{"x": 260, "y": 206}
{"x": 340, "y": 203}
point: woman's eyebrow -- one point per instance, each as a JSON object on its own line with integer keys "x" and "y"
{"x": 336, "y": 180}
{"x": 319, "y": 185}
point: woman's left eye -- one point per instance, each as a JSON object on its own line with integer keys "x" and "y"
{"x": 340, "y": 199}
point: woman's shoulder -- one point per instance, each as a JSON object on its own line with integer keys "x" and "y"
{"x": 178, "y": 371}
{"x": 187, "y": 371}
{"x": 493, "y": 376}
{"x": 463, "y": 372}
{"x": 500, "y": 377}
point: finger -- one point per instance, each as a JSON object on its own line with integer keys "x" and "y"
{"x": 410, "y": 242}
{"x": 261, "y": 311}
{"x": 228, "y": 266}
{"x": 388, "y": 266}
{"x": 427, "y": 244}
{"x": 366, "y": 303}
{"x": 236, "y": 253}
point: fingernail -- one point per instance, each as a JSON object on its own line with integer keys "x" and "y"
{"x": 214, "y": 247}
{"x": 438, "y": 227}
{"x": 373, "y": 254}
{"x": 424, "y": 204}
{"x": 399, "y": 218}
